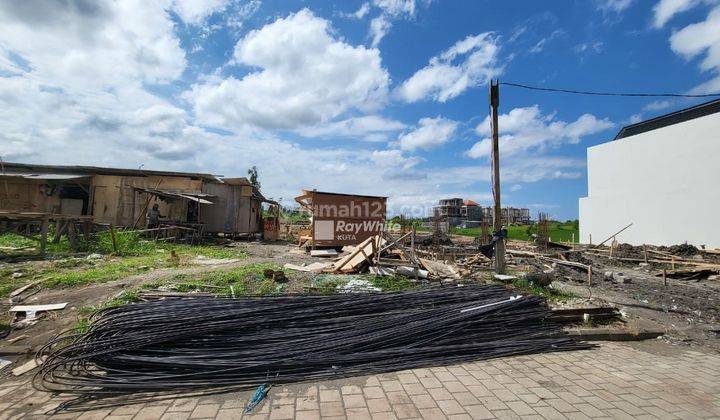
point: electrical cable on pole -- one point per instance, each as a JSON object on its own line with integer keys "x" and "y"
{"x": 497, "y": 210}
{"x": 626, "y": 94}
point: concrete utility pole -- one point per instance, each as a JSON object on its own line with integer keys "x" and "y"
{"x": 497, "y": 214}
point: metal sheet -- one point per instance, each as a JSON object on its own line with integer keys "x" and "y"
{"x": 198, "y": 199}
{"x": 29, "y": 175}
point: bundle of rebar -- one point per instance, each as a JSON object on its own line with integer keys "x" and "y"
{"x": 194, "y": 343}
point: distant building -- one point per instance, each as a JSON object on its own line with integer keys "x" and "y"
{"x": 471, "y": 211}
{"x": 662, "y": 176}
{"x": 449, "y": 209}
{"x": 510, "y": 215}
{"x": 470, "y": 214}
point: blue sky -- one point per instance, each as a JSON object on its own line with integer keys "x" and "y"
{"x": 382, "y": 97}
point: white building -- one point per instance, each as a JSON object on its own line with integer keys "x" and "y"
{"x": 661, "y": 175}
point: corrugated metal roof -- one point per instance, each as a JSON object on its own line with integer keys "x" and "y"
{"x": 95, "y": 170}
{"x": 672, "y": 118}
{"x": 32, "y": 175}
{"x": 307, "y": 192}
{"x": 194, "y": 196}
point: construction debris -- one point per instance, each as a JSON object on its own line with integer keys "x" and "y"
{"x": 358, "y": 286}
{"x": 317, "y": 267}
{"x": 324, "y": 253}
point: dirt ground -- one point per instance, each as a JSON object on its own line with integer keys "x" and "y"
{"x": 687, "y": 310}
{"x": 52, "y": 323}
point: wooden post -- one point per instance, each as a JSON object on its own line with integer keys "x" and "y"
{"x": 112, "y": 237}
{"x": 672, "y": 263}
{"x": 72, "y": 234}
{"x": 589, "y": 275}
{"x": 59, "y": 227}
{"x": 43, "y": 234}
{"x": 497, "y": 213}
{"x": 664, "y": 277}
{"x": 645, "y": 253}
{"x": 590, "y": 238}
{"x": 312, "y": 223}
{"x": 86, "y": 230}
{"x": 412, "y": 244}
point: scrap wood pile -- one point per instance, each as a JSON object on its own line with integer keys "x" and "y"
{"x": 385, "y": 254}
{"x": 684, "y": 262}
{"x": 204, "y": 342}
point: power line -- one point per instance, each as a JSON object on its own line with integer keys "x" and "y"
{"x": 582, "y": 92}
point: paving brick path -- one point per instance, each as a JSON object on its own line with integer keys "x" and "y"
{"x": 615, "y": 380}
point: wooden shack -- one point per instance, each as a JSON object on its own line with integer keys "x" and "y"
{"x": 121, "y": 197}
{"x": 237, "y": 207}
{"x": 342, "y": 219}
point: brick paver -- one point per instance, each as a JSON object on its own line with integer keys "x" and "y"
{"x": 614, "y": 380}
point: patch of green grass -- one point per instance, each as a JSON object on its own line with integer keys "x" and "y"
{"x": 134, "y": 257}
{"x": 328, "y": 286}
{"x": 126, "y": 297}
{"x": 246, "y": 280}
{"x": 391, "y": 283}
{"x": 127, "y": 244}
{"x": 16, "y": 241}
{"x": 103, "y": 272}
{"x": 83, "y": 323}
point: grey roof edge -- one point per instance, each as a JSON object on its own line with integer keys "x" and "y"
{"x": 672, "y": 118}
{"x": 97, "y": 170}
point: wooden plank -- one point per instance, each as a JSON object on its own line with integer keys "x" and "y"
{"x": 38, "y": 308}
{"x": 27, "y": 367}
{"x": 24, "y": 288}
{"x": 353, "y": 260}
{"x": 340, "y": 264}
{"x": 323, "y": 253}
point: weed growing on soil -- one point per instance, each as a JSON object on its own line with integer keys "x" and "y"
{"x": 246, "y": 280}
{"x": 329, "y": 284}
{"x": 137, "y": 257}
{"x": 126, "y": 297}
{"x": 82, "y": 326}
{"x": 328, "y": 287}
{"x": 550, "y": 294}
{"x": 392, "y": 283}
{"x": 11, "y": 240}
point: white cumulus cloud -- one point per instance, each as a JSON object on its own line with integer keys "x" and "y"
{"x": 524, "y": 129}
{"x": 615, "y": 6}
{"x": 379, "y": 27}
{"x": 368, "y": 127}
{"x": 468, "y": 63}
{"x": 305, "y": 76}
{"x": 431, "y": 133}
{"x": 664, "y": 10}
{"x": 698, "y": 39}
{"x": 78, "y": 44}
{"x": 195, "y": 11}
{"x": 396, "y": 7}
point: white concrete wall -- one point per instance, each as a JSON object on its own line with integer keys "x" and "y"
{"x": 666, "y": 182}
